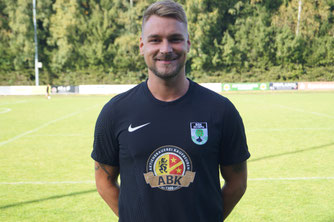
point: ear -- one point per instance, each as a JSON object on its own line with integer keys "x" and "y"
{"x": 141, "y": 45}
{"x": 188, "y": 44}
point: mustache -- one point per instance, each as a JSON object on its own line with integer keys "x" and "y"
{"x": 167, "y": 56}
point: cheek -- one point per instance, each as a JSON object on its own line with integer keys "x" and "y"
{"x": 149, "y": 52}
{"x": 148, "y": 57}
{"x": 181, "y": 49}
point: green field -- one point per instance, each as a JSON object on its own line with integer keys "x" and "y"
{"x": 47, "y": 173}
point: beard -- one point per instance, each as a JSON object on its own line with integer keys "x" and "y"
{"x": 169, "y": 71}
{"x": 167, "y": 74}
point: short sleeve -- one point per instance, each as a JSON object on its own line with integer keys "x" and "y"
{"x": 105, "y": 147}
{"x": 234, "y": 147}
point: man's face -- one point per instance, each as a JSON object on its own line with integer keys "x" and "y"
{"x": 164, "y": 45}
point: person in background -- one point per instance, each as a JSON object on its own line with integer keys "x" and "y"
{"x": 48, "y": 91}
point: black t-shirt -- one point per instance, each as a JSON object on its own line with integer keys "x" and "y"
{"x": 169, "y": 152}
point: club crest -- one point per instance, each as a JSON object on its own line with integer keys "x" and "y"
{"x": 199, "y": 132}
{"x": 169, "y": 168}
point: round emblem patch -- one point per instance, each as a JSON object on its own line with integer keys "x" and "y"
{"x": 169, "y": 168}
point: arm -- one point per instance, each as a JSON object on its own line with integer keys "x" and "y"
{"x": 107, "y": 185}
{"x": 235, "y": 177}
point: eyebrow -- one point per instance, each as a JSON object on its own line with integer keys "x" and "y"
{"x": 171, "y": 36}
{"x": 153, "y": 36}
{"x": 176, "y": 35}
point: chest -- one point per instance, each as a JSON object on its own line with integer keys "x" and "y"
{"x": 195, "y": 131}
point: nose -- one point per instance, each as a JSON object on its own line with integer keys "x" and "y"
{"x": 165, "y": 47}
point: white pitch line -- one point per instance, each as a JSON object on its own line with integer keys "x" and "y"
{"x": 305, "y": 111}
{"x": 58, "y": 135}
{"x": 92, "y": 181}
{"x": 287, "y": 129}
{"x": 293, "y": 178}
{"x": 46, "y": 182}
{"x": 9, "y": 103}
{"x": 43, "y": 126}
{"x": 5, "y": 110}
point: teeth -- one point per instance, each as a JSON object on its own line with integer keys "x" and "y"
{"x": 165, "y": 59}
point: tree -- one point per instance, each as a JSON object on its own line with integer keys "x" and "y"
{"x": 20, "y": 33}
{"x": 43, "y": 16}
{"x": 63, "y": 34}
{"x": 313, "y": 15}
{"x": 98, "y": 29}
{"x": 5, "y": 57}
{"x": 322, "y": 52}
{"x": 207, "y": 21}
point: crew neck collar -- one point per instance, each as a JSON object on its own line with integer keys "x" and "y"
{"x": 160, "y": 102}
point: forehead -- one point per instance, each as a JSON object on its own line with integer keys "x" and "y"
{"x": 163, "y": 26}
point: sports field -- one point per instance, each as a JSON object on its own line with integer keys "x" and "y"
{"x": 47, "y": 173}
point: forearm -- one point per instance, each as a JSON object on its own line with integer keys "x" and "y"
{"x": 107, "y": 185}
{"x": 109, "y": 193}
{"x": 231, "y": 196}
{"x": 235, "y": 177}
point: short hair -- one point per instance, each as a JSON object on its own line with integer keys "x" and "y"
{"x": 165, "y": 8}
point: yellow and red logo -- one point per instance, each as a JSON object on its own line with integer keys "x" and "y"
{"x": 169, "y": 168}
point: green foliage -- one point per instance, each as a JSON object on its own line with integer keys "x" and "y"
{"x": 315, "y": 16}
{"x": 252, "y": 39}
{"x": 322, "y": 52}
{"x": 96, "y": 41}
{"x": 97, "y": 33}
{"x": 290, "y": 49}
{"x": 206, "y": 28}
{"x": 20, "y": 34}
{"x": 22, "y": 77}
{"x": 64, "y": 35}
{"x": 6, "y": 57}
{"x": 127, "y": 56}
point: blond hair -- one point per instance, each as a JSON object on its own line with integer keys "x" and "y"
{"x": 165, "y": 8}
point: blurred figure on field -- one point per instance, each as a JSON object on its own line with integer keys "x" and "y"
{"x": 48, "y": 91}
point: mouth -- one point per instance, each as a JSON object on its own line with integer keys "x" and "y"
{"x": 166, "y": 59}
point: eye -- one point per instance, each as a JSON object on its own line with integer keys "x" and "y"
{"x": 154, "y": 40}
{"x": 176, "y": 40}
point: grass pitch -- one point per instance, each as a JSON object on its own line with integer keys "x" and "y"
{"x": 47, "y": 173}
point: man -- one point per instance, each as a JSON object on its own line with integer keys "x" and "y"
{"x": 168, "y": 137}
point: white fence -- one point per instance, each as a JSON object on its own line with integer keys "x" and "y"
{"x": 115, "y": 89}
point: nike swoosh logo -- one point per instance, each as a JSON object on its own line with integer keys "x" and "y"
{"x": 130, "y": 129}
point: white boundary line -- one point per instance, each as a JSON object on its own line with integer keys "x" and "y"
{"x": 286, "y": 129}
{"x": 59, "y": 135}
{"x": 47, "y": 182}
{"x": 293, "y": 178}
{"x": 92, "y": 181}
{"x": 43, "y": 126}
{"x": 305, "y": 111}
{"x": 9, "y": 103}
{"x": 5, "y": 110}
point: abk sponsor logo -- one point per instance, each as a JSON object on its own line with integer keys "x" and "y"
{"x": 169, "y": 168}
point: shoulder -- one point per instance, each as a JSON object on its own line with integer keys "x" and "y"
{"x": 125, "y": 98}
{"x": 216, "y": 103}
{"x": 122, "y": 102}
{"x": 205, "y": 94}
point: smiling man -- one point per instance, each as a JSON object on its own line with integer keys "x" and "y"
{"x": 168, "y": 137}
{"x": 165, "y": 44}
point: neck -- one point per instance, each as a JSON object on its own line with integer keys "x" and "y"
{"x": 168, "y": 90}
